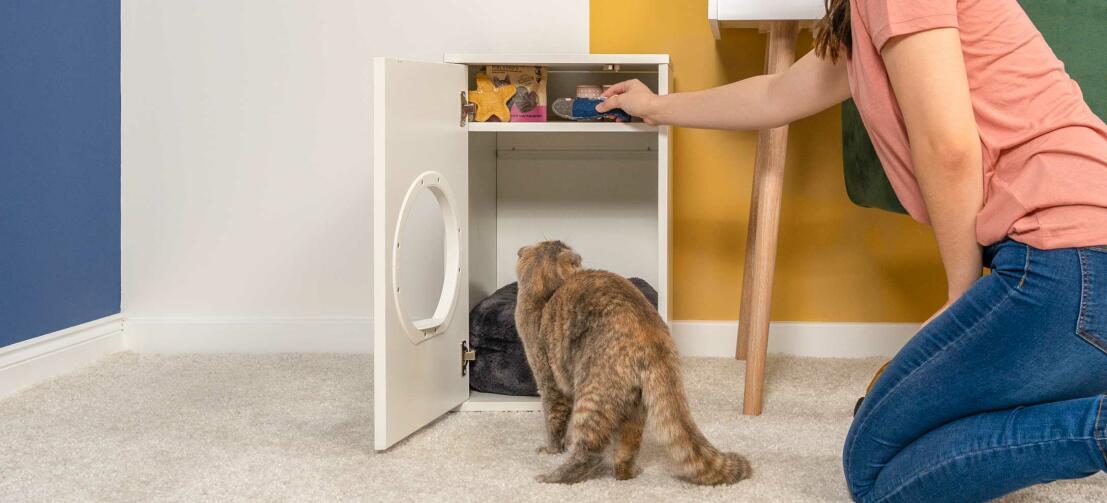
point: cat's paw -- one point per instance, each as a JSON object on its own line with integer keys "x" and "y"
{"x": 627, "y": 471}
{"x": 545, "y": 449}
{"x": 556, "y": 477}
{"x": 572, "y": 472}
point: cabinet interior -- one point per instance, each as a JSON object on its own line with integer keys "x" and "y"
{"x": 564, "y": 79}
{"x": 597, "y": 192}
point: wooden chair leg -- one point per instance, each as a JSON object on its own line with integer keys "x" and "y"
{"x": 768, "y": 183}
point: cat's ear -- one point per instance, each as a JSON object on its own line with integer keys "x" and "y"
{"x": 569, "y": 258}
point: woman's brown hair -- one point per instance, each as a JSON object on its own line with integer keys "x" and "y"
{"x": 832, "y": 32}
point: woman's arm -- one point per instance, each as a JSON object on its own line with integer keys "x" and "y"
{"x": 927, "y": 72}
{"x": 807, "y": 87}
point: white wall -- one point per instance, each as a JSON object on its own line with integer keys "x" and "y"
{"x": 246, "y": 157}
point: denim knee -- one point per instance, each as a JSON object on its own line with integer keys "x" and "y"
{"x": 856, "y": 482}
{"x": 1100, "y": 431}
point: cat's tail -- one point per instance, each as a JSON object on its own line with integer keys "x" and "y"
{"x": 701, "y": 462}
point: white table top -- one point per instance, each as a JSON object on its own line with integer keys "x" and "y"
{"x": 754, "y": 13}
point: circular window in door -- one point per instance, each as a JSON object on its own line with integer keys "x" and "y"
{"x": 426, "y": 261}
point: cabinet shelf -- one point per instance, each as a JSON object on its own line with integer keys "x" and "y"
{"x": 561, "y": 127}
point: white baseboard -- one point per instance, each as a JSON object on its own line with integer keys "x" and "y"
{"x": 355, "y": 335}
{"x": 818, "y": 339}
{"x": 30, "y": 362}
{"x": 250, "y": 335}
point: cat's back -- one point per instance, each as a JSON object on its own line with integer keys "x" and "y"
{"x": 594, "y": 300}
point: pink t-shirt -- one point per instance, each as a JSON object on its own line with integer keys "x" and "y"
{"x": 1044, "y": 151}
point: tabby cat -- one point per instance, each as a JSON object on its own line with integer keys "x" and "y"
{"x": 603, "y": 359}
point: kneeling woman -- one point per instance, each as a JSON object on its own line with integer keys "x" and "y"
{"x": 986, "y": 138}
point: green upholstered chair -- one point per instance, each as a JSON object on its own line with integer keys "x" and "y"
{"x": 1077, "y": 32}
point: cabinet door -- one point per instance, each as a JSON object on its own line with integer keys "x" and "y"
{"x": 420, "y": 240}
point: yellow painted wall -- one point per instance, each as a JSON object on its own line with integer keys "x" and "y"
{"x": 836, "y": 261}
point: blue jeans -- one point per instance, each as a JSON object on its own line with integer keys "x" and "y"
{"x": 1002, "y": 391}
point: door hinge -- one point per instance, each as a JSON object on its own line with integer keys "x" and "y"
{"x": 467, "y": 109}
{"x": 467, "y": 355}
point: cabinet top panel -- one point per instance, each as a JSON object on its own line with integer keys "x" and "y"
{"x": 558, "y": 60}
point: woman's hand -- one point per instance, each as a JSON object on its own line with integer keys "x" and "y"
{"x": 633, "y": 97}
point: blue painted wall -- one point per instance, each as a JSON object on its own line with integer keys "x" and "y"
{"x": 59, "y": 165}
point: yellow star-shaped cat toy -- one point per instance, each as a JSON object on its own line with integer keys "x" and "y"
{"x": 491, "y": 100}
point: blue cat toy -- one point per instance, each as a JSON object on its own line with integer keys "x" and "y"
{"x": 584, "y": 109}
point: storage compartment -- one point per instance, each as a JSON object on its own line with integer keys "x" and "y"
{"x": 564, "y": 79}
{"x": 604, "y": 194}
{"x": 596, "y": 192}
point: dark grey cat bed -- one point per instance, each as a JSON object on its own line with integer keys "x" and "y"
{"x": 501, "y": 364}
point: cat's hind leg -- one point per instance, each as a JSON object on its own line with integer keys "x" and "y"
{"x": 630, "y": 439}
{"x": 556, "y": 409}
{"x": 594, "y": 418}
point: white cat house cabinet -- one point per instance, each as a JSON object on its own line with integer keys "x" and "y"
{"x": 453, "y": 200}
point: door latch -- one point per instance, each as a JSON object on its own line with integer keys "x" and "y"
{"x": 467, "y": 109}
{"x": 467, "y": 355}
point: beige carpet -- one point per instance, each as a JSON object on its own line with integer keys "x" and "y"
{"x": 298, "y": 428}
